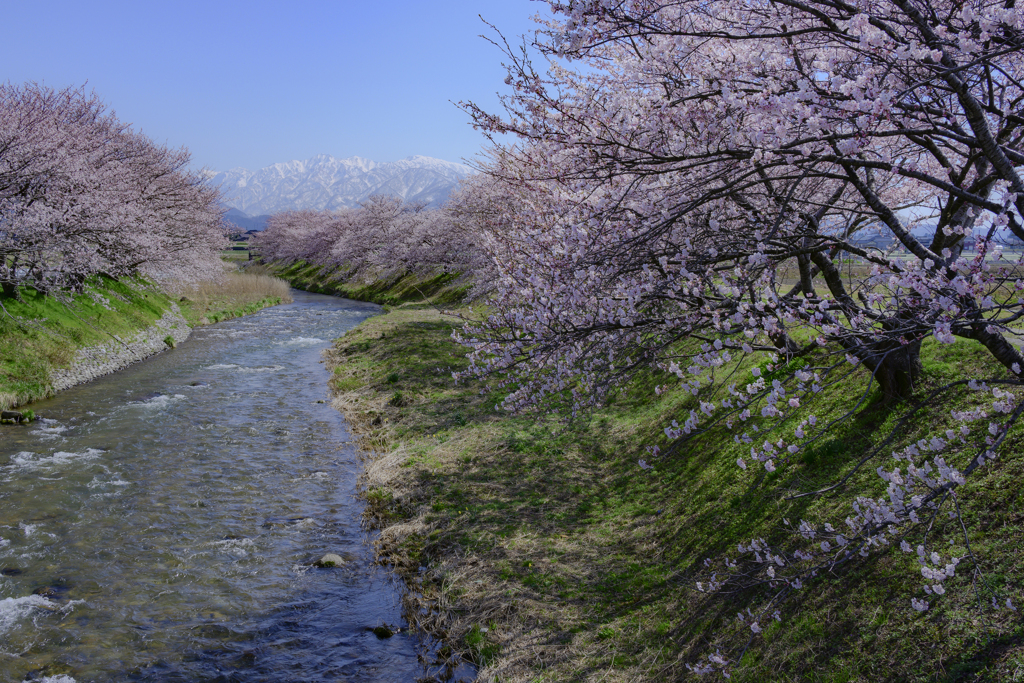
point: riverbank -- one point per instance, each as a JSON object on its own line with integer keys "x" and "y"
{"x": 542, "y": 551}
{"x": 441, "y": 289}
{"x": 95, "y": 361}
{"x": 240, "y": 293}
{"x": 48, "y": 345}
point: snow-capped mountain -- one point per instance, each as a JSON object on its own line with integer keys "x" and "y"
{"x": 326, "y": 183}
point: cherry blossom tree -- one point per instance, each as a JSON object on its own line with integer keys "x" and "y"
{"x": 82, "y": 194}
{"x": 384, "y": 238}
{"x": 698, "y": 188}
{"x": 299, "y": 236}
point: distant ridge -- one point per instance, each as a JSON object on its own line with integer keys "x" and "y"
{"x": 244, "y": 221}
{"x": 327, "y": 183}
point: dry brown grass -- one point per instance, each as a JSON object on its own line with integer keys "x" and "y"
{"x": 456, "y": 590}
{"x": 9, "y": 400}
{"x": 236, "y": 294}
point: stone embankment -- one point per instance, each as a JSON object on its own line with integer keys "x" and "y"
{"x": 96, "y": 361}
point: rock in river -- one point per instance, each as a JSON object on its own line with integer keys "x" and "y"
{"x": 330, "y": 560}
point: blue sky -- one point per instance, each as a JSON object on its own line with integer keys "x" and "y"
{"x": 253, "y": 83}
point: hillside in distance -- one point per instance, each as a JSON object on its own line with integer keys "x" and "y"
{"x": 325, "y": 183}
{"x": 244, "y": 221}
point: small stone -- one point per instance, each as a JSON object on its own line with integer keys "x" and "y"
{"x": 13, "y": 415}
{"x": 330, "y": 560}
{"x": 383, "y": 631}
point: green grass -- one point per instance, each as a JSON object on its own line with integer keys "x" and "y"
{"x": 235, "y": 255}
{"x": 196, "y": 315}
{"x": 40, "y": 333}
{"x": 441, "y": 289}
{"x": 584, "y": 565}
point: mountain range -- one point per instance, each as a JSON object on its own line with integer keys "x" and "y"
{"x": 325, "y": 183}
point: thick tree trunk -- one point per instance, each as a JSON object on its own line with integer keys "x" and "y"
{"x": 784, "y": 343}
{"x": 993, "y": 340}
{"x": 897, "y": 370}
{"x": 11, "y": 291}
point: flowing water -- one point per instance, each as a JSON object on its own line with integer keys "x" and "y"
{"x": 160, "y": 524}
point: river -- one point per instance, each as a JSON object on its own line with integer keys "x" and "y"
{"x": 160, "y": 524}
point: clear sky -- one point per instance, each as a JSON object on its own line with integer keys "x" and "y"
{"x": 253, "y": 83}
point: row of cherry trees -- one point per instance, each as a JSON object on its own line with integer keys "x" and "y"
{"x": 686, "y": 186}
{"x": 383, "y": 238}
{"x": 81, "y": 194}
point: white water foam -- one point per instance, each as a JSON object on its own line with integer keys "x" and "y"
{"x": 157, "y": 402}
{"x": 48, "y": 429}
{"x": 13, "y": 610}
{"x": 301, "y": 341}
{"x": 96, "y": 482}
{"x": 33, "y": 461}
{"x": 62, "y": 678}
{"x": 259, "y": 368}
{"x": 239, "y": 547}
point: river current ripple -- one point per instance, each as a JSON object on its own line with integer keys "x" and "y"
{"x": 160, "y": 523}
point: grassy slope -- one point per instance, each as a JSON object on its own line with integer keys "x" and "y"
{"x": 550, "y": 555}
{"x": 41, "y": 333}
{"x": 442, "y": 289}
